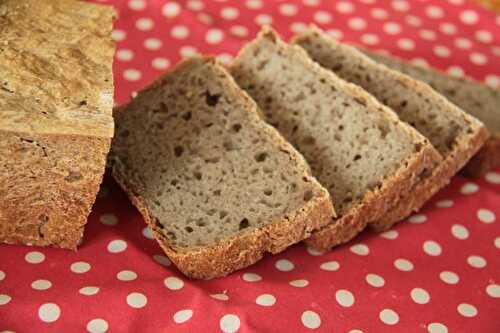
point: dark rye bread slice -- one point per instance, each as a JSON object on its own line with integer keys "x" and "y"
{"x": 473, "y": 97}
{"x": 455, "y": 134}
{"x": 357, "y": 148}
{"x": 217, "y": 185}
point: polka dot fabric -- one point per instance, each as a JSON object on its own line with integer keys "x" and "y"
{"x": 436, "y": 272}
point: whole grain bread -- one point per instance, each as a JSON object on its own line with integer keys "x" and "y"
{"x": 455, "y": 134}
{"x": 56, "y": 99}
{"x": 357, "y": 148}
{"x": 475, "y": 98}
{"x": 217, "y": 185}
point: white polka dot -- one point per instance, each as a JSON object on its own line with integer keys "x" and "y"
{"x": 310, "y": 319}
{"x": 360, "y": 249}
{"x": 484, "y": 36}
{"x": 132, "y": 74}
{"x": 108, "y": 219}
{"x": 146, "y": 232}
{"x": 459, "y": 231}
{"x": 448, "y": 28}
{"x": 144, "y": 24}
{"x": 478, "y": 58}
{"x": 117, "y": 246}
{"x": 311, "y": 2}
{"x": 182, "y": 316}
{"x": 299, "y": 283}
{"x": 160, "y": 64}
{"x": 162, "y": 260}
{"x": 392, "y": 28}
{"x": 434, "y": 12}
{"x": 220, "y": 297}
{"x": 476, "y": 261}
{"x": 355, "y": 331}
{"x": 469, "y": 188}
{"x": 400, "y": 5}
{"x": 463, "y": 43}
{"x": 486, "y": 216}
{"x": 469, "y": 17}
{"x": 123, "y": 55}
{"x": 413, "y": 20}
{"x": 455, "y": 71}
{"x": 97, "y": 326}
{"x": 493, "y": 290}
{"x": 137, "y": 300}
{"x": 406, "y": 44}
{"x": 2, "y": 275}
{"x": 497, "y": 242}
{"x": 205, "y": 18}
{"x": 495, "y": 50}
{"x": 195, "y": 5}
{"x": 152, "y": 44}
{"x": 89, "y": 291}
{"x": 288, "y": 9}
{"x": 344, "y": 7}
{"x": 118, "y": 35}
{"x": 173, "y": 283}
{"x": 432, "y": 248}
{"x": 375, "y": 280}
{"x": 4, "y": 299}
{"x": 80, "y": 267}
{"x": 284, "y": 265}
{"x": 437, "y": 328}
{"x": 254, "y": 4}
{"x": 136, "y": 4}
{"x": 357, "y": 23}
{"x": 456, "y": 2}
{"x": 41, "y": 284}
{"x": 493, "y": 81}
{"x": 179, "y": 32}
{"x": 251, "y": 277}
{"x": 403, "y": 265}
{"x": 391, "y": 234}
{"x": 49, "y": 312}
{"x": 266, "y": 300}
{"x": 335, "y": 33}
{"x": 369, "y": 39}
{"x": 229, "y": 323}
{"x": 126, "y": 275}
{"x": 322, "y": 17}
{"x": 467, "y": 310}
{"x": 444, "y": 204}
{"x": 389, "y": 317}
{"x": 229, "y": 13}
{"x": 449, "y": 277}
{"x": 239, "y": 31}
{"x": 420, "y": 296}
{"x": 171, "y": 9}
{"x": 315, "y": 253}
{"x": 214, "y": 36}
{"x": 417, "y": 219}
{"x": 225, "y": 58}
{"x": 344, "y": 297}
{"x": 493, "y": 177}
{"x": 34, "y": 257}
{"x": 441, "y": 51}
{"x": 263, "y": 19}
{"x": 330, "y": 266}
{"x": 427, "y": 34}
{"x": 379, "y": 13}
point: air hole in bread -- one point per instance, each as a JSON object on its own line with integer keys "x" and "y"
{"x": 188, "y": 229}
{"x": 244, "y": 224}
{"x": 236, "y": 128}
{"x": 210, "y": 99}
{"x": 268, "y": 192}
{"x": 197, "y": 175}
{"x": 308, "y": 195}
{"x": 186, "y": 116}
{"x": 223, "y": 214}
{"x": 261, "y": 157}
{"x": 178, "y": 150}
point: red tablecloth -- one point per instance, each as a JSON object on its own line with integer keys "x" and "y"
{"x": 437, "y": 272}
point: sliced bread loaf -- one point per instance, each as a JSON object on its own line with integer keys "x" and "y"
{"x": 357, "y": 148}
{"x": 56, "y": 100}
{"x": 472, "y": 96}
{"x": 217, "y": 185}
{"x": 456, "y": 135}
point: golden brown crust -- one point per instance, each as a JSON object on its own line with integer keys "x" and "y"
{"x": 486, "y": 159}
{"x": 375, "y": 204}
{"x": 48, "y": 184}
{"x": 440, "y": 177}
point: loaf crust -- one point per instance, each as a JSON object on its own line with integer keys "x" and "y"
{"x": 486, "y": 159}
{"x": 56, "y": 99}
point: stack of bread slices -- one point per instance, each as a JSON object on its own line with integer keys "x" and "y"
{"x": 309, "y": 141}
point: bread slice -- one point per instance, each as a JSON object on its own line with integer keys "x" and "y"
{"x": 456, "y": 135}
{"x": 56, "y": 99}
{"x": 357, "y": 148}
{"x": 217, "y": 185}
{"x": 473, "y": 97}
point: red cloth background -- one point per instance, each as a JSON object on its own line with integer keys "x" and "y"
{"x": 438, "y": 272}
